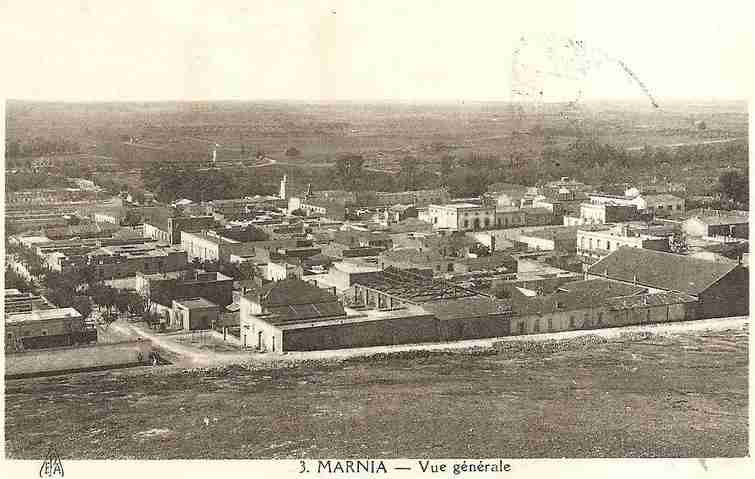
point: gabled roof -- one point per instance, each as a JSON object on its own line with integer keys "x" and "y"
{"x": 661, "y": 270}
{"x": 471, "y": 307}
{"x": 293, "y": 292}
{"x": 609, "y": 288}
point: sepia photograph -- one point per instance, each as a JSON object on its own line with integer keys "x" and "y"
{"x": 375, "y": 239}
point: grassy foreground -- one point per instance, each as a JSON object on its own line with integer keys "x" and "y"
{"x": 645, "y": 395}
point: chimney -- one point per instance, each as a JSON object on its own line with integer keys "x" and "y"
{"x": 635, "y": 279}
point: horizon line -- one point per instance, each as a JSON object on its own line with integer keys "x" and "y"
{"x": 708, "y": 98}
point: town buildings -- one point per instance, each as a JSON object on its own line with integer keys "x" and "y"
{"x": 195, "y": 313}
{"x": 168, "y": 229}
{"x": 124, "y": 260}
{"x": 595, "y": 304}
{"x": 396, "y": 307}
{"x": 663, "y": 203}
{"x": 161, "y": 289}
{"x": 461, "y": 216}
{"x": 267, "y": 316}
{"x": 720, "y": 288}
{"x": 717, "y": 223}
{"x": 49, "y": 196}
{"x": 47, "y": 328}
{"x": 598, "y": 242}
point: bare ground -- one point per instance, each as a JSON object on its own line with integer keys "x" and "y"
{"x": 637, "y": 394}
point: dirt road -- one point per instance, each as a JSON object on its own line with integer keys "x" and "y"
{"x": 186, "y": 356}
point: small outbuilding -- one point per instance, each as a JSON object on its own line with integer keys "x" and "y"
{"x": 195, "y": 313}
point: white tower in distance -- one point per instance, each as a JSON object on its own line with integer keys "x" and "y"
{"x": 282, "y": 193}
{"x": 215, "y": 154}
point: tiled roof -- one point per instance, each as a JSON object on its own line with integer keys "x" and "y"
{"x": 293, "y": 292}
{"x": 475, "y": 306}
{"x": 661, "y": 270}
{"x": 659, "y": 299}
{"x": 608, "y": 288}
{"x": 302, "y": 312}
{"x": 559, "y": 301}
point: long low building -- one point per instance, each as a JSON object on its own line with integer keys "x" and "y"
{"x": 721, "y": 288}
{"x": 47, "y": 328}
{"x": 121, "y": 261}
{"x": 597, "y": 304}
{"x": 294, "y": 315}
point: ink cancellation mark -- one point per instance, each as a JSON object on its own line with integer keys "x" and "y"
{"x": 52, "y": 465}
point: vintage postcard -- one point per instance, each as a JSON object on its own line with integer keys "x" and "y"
{"x": 376, "y": 239}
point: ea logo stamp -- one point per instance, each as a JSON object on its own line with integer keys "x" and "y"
{"x": 52, "y": 467}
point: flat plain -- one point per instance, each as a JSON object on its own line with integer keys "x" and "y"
{"x": 682, "y": 394}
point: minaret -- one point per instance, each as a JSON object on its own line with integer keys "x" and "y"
{"x": 282, "y": 193}
{"x": 214, "y": 154}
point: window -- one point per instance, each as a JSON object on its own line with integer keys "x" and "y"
{"x": 600, "y": 319}
{"x": 571, "y": 322}
{"x": 521, "y": 327}
{"x": 608, "y": 245}
{"x": 466, "y": 223}
{"x": 536, "y": 326}
{"x": 550, "y": 324}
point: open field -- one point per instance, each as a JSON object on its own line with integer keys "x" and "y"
{"x": 321, "y": 130}
{"x": 675, "y": 394}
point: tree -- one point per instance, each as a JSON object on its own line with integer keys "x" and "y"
{"x": 132, "y": 218}
{"x": 247, "y": 271}
{"x": 349, "y": 170}
{"x": 408, "y": 173}
{"x": 480, "y": 249}
{"x": 678, "y": 243}
{"x": 734, "y": 187}
{"x": 135, "y": 304}
{"x": 14, "y": 280}
{"x": 446, "y": 165}
{"x": 83, "y": 305}
{"x": 455, "y": 244}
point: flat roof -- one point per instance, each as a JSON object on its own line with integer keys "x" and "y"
{"x": 197, "y": 303}
{"x": 43, "y": 315}
{"x": 457, "y": 206}
{"x": 350, "y": 267}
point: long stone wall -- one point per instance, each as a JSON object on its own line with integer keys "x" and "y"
{"x": 106, "y": 355}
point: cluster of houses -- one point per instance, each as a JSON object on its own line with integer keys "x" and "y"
{"x": 325, "y": 271}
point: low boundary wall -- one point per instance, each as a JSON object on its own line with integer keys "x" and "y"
{"x": 68, "y": 359}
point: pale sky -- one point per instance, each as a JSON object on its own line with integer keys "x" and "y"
{"x": 377, "y": 50}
